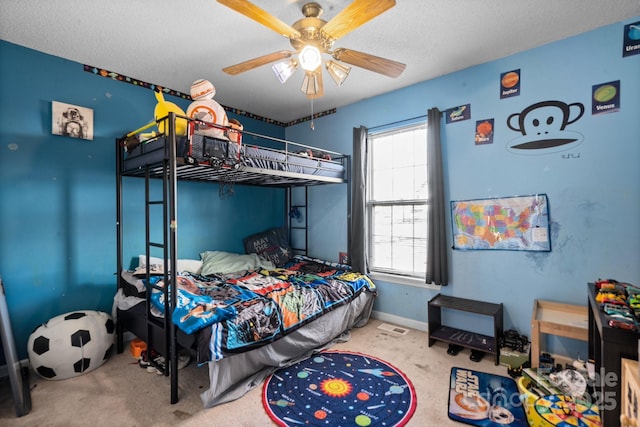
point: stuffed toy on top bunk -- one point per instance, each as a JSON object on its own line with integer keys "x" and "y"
{"x": 212, "y": 130}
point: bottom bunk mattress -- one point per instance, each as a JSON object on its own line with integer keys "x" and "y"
{"x": 232, "y": 377}
{"x": 238, "y": 311}
{"x": 247, "y": 324}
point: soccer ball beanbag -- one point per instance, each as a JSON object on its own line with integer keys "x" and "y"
{"x": 71, "y": 344}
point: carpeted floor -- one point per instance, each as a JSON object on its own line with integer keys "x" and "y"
{"x": 120, "y": 393}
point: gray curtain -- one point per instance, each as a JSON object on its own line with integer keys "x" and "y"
{"x": 358, "y": 238}
{"x": 437, "y": 270}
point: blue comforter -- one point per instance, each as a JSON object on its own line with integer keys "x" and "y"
{"x": 248, "y": 309}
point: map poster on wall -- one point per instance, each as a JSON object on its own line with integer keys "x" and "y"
{"x": 519, "y": 223}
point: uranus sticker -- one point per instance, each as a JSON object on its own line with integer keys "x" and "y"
{"x": 631, "y": 43}
{"x": 543, "y": 128}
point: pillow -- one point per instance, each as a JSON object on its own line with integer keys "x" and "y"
{"x": 190, "y": 265}
{"x": 157, "y": 265}
{"x": 219, "y": 262}
{"x": 272, "y": 245}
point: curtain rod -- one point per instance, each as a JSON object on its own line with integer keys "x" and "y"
{"x": 397, "y": 123}
{"x": 401, "y": 121}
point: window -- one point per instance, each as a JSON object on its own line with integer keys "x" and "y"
{"x": 397, "y": 201}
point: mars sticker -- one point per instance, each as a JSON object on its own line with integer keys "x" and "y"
{"x": 543, "y": 127}
{"x": 484, "y": 132}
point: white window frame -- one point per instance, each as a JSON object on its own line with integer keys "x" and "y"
{"x": 389, "y": 275}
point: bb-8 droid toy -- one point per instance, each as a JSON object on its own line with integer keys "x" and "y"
{"x": 212, "y": 119}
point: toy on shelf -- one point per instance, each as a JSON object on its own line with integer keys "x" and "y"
{"x": 620, "y": 302}
{"x": 513, "y": 340}
{"x": 211, "y": 118}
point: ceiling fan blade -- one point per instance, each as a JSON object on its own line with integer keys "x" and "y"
{"x": 256, "y": 62}
{"x": 252, "y": 11}
{"x": 354, "y": 15}
{"x": 369, "y": 62}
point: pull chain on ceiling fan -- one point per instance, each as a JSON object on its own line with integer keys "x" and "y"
{"x": 311, "y": 37}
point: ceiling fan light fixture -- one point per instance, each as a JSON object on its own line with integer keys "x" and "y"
{"x": 337, "y": 71}
{"x": 285, "y": 69}
{"x": 310, "y": 84}
{"x": 310, "y": 58}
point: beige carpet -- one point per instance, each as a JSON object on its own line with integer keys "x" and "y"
{"x": 120, "y": 393}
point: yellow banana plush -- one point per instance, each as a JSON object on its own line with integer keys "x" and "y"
{"x": 163, "y": 108}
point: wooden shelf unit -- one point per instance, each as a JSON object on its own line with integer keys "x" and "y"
{"x": 554, "y": 318}
{"x": 464, "y": 338}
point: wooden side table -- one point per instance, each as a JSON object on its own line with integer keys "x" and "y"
{"x": 554, "y": 318}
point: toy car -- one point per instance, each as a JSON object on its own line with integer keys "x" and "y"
{"x": 546, "y": 363}
{"x": 609, "y": 308}
{"x": 600, "y": 283}
{"x": 603, "y": 297}
{"x": 622, "y": 324}
{"x": 634, "y": 301}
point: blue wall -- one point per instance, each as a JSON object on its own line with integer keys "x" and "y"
{"x": 593, "y": 189}
{"x": 57, "y": 194}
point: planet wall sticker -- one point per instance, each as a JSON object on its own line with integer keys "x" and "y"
{"x": 606, "y": 97}
{"x": 484, "y": 132}
{"x": 631, "y": 42}
{"x": 510, "y": 84}
{"x": 605, "y": 93}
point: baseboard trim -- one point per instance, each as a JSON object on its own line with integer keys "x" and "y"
{"x": 400, "y": 321}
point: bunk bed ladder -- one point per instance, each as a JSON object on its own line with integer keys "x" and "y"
{"x": 149, "y": 244}
{"x": 298, "y": 220}
{"x": 168, "y": 202}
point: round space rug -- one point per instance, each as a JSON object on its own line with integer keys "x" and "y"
{"x": 336, "y": 388}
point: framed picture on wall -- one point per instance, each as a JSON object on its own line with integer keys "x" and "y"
{"x": 519, "y": 223}
{"x": 71, "y": 120}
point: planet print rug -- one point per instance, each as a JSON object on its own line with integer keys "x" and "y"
{"x": 336, "y": 388}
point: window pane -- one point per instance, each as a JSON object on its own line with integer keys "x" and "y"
{"x": 397, "y": 201}
{"x": 399, "y": 238}
{"x": 398, "y": 165}
{"x": 382, "y": 184}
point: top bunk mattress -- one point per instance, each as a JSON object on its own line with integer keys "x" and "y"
{"x": 225, "y": 156}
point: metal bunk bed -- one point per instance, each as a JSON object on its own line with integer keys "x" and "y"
{"x": 170, "y": 167}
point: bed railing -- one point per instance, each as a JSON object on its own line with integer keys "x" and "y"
{"x": 267, "y": 161}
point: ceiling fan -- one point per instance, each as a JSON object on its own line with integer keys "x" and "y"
{"x": 311, "y": 37}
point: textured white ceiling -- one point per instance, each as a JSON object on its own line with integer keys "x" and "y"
{"x": 172, "y": 43}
